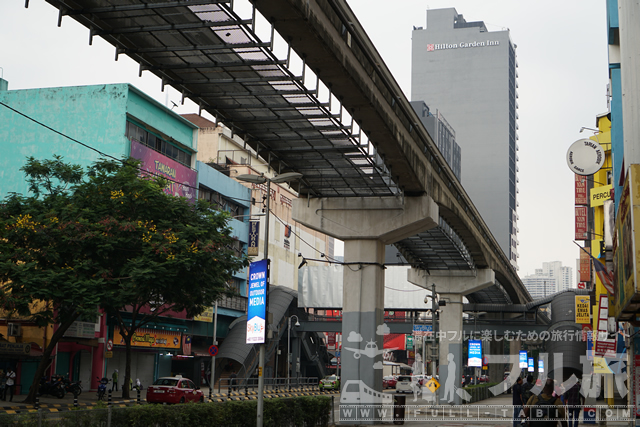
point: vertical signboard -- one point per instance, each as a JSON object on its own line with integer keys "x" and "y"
{"x": 530, "y": 365}
{"x": 475, "y": 353}
{"x": 585, "y": 265}
{"x": 540, "y": 365}
{"x": 605, "y": 347}
{"x": 256, "y": 313}
{"x": 524, "y": 363}
{"x": 583, "y": 309}
{"x": 581, "y": 223}
{"x": 254, "y": 236}
{"x": 581, "y": 190}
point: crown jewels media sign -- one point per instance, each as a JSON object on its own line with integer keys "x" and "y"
{"x": 256, "y": 313}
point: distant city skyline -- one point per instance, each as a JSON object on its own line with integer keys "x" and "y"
{"x": 551, "y": 278}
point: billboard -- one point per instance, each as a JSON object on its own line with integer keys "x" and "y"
{"x": 183, "y": 181}
{"x": 475, "y": 353}
{"x": 524, "y": 362}
{"x": 152, "y": 338}
{"x": 256, "y": 313}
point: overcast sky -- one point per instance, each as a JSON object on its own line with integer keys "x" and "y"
{"x": 562, "y": 57}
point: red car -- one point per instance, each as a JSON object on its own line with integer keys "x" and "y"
{"x": 389, "y": 382}
{"x": 174, "y": 390}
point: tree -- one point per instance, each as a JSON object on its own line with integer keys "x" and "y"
{"x": 109, "y": 238}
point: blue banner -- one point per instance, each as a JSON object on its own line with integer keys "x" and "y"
{"x": 523, "y": 359}
{"x": 540, "y": 365}
{"x": 530, "y": 367}
{"x": 256, "y": 313}
{"x": 475, "y": 353}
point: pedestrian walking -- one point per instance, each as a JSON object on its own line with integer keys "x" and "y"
{"x": 10, "y": 383}
{"x": 517, "y": 402}
{"x": 232, "y": 383}
{"x": 574, "y": 401}
{"x": 114, "y": 378}
{"x": 545, "y": 410}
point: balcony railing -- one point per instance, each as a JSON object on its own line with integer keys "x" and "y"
{"x": 234, "y": 303}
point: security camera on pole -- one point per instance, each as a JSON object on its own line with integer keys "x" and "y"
{"x": 258, "y": 285}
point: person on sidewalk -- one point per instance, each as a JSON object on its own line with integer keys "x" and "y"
{"x": 232, "y": 383}
{"x": 517, "y": 402}
{"x": 545, "y": 410}
{"x": 11, "y": 381}
{"x": 574, "y": 401}
{"x": 114, "y": 378}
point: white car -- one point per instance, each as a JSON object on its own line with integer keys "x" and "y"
{"x": 404, "y": 384}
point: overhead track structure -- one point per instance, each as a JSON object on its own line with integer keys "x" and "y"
{"x": 313, "y": 97}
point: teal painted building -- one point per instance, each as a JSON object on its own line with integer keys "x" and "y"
{"x": 48, "y": 121}
{"x": 85, "y": 123}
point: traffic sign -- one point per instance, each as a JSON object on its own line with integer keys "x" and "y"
{"x": 213, "y": 350}
{"x": 109, "y": 345}
{"x": 433, "y": 385}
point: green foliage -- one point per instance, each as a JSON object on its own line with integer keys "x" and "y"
{"x": 290, "y": 412}
{"x": 109, "y": 238}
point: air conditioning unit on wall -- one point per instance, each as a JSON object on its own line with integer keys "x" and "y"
{"x": 14, "y": 329}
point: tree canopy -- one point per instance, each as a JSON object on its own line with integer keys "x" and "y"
{"x": 108, "y": 237}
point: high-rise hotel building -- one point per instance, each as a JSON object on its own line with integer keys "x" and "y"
{"x": 469, "y": 74}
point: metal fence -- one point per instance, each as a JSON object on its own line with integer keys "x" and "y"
{"x": 270, "y": 384}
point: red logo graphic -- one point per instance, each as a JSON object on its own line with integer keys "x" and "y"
{"x": 430, "y": 48}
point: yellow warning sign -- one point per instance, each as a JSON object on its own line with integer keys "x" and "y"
{"x": 433, "y": 385}
{"x": 583, "y": 309}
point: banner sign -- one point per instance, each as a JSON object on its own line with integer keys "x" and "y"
{"x": 81, "y": 330}
{"x": 530, "y": 366}
{"x": 581, "y": 190}
{"x": 581, "y": 223}
{"x": 524, "y": 363}
{"x": 254, "y": 236}
{"x": 585, "y": 265}
{"x": 583, "y": 309}
{"x": 15, "y": 348}
{"x": 475, "y": 353}
{"x": 598, "y": 195}
{"x": 540, "y": 365}
{"x": 205, "y": 316}
{"x": 153, "y": 338}
{"x": 183, "y": 181}
{"x": 256, "y": 314}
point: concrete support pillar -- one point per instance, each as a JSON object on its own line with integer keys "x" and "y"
{"x": 362, "y": 313}
{"x": 496, "y": 370}
{"x": 366, "y": 225}
{"x": 451, "y": 342}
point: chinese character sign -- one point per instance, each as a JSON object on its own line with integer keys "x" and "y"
{"x": 256, "y": 314}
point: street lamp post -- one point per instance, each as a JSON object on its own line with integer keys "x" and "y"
{"x": 289, "y": 350}
{"x": 261, "y": 179}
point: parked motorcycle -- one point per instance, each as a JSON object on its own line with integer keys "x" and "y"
{"x": 74, "y": 387}
{"x": 54, "y": 387}
{"x": 102, "y": 387}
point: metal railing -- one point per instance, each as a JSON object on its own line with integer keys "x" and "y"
{"x": 245, "y": 385}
